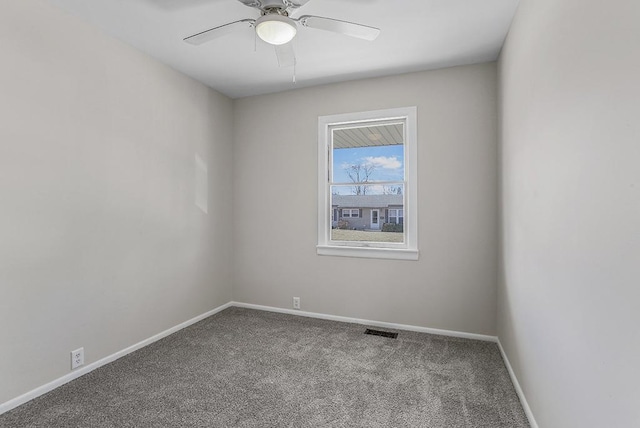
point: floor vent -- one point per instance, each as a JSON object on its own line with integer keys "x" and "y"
{"x": 381, "y": 333}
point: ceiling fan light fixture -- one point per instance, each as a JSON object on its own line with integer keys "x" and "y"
{"x": 276, "y": 29}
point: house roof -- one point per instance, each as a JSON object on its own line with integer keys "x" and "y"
{"x": 366, "y": 201}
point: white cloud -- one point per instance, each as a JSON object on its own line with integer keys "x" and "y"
{"x": 384, "y": 162}
{"x": 375, "y": 190}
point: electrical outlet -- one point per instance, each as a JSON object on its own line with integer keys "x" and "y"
{"x": 77, "y": 358}
{"x": 296, "y": 303}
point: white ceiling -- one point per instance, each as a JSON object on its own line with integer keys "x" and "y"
{"x": 416, "y": 35}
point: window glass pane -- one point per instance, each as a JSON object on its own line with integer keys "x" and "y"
{"x": 368, "y": 153}
{"x": 368, "y": 222}
{"x": 393, "y": 216}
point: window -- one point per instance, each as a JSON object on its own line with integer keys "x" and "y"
{"x": 350, "y": 213}
{"x": 396, "y": 216}
{"x": 368, "y": 160}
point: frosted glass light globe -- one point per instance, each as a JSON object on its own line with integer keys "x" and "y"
{"x": 276, "y": 29}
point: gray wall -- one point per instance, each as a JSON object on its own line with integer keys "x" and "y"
{"x": 453, "y": 285}
{"x": 101, "y": 244}
{"x": 568, "y": 305}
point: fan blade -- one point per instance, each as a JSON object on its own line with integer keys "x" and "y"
{"x": 286, "y": 55}
{"x": 293, "y": 3}
{"x": 252, "y": 3}
{"x": 343, "y": 27}
{"x": 223, "y": 30}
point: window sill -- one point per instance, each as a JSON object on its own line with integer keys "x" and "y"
{"x": 368, "y": 252}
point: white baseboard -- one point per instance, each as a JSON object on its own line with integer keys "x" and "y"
{"x": 15, "y": 402}
{"x": 519, "y": 391}
{"x": 382, "y": 324}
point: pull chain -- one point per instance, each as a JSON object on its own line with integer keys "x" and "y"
{"x": 294, "y": 69}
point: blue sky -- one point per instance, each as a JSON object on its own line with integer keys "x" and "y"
{"x": 388, "y": 162}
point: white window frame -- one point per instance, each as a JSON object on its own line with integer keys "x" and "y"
{"x": 351, "y": 212}
{"x": 399, "y": 214}
{"x": 407, "y": 250}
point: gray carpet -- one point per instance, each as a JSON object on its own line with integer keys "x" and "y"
{"x": 246, "y": 368}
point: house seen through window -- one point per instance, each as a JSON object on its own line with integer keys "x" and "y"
{"x": 367, "y": 188}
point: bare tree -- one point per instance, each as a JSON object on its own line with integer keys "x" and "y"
{"x": 392, "y": 190}
{"x": 360, "y": 174}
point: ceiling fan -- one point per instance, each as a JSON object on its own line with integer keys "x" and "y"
{"x": 275, "y": 26}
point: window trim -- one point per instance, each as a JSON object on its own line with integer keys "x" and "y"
{"x": 409, "y": 249}
{"x": 351, "y": 212}
{"x": 399, "y": 214}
